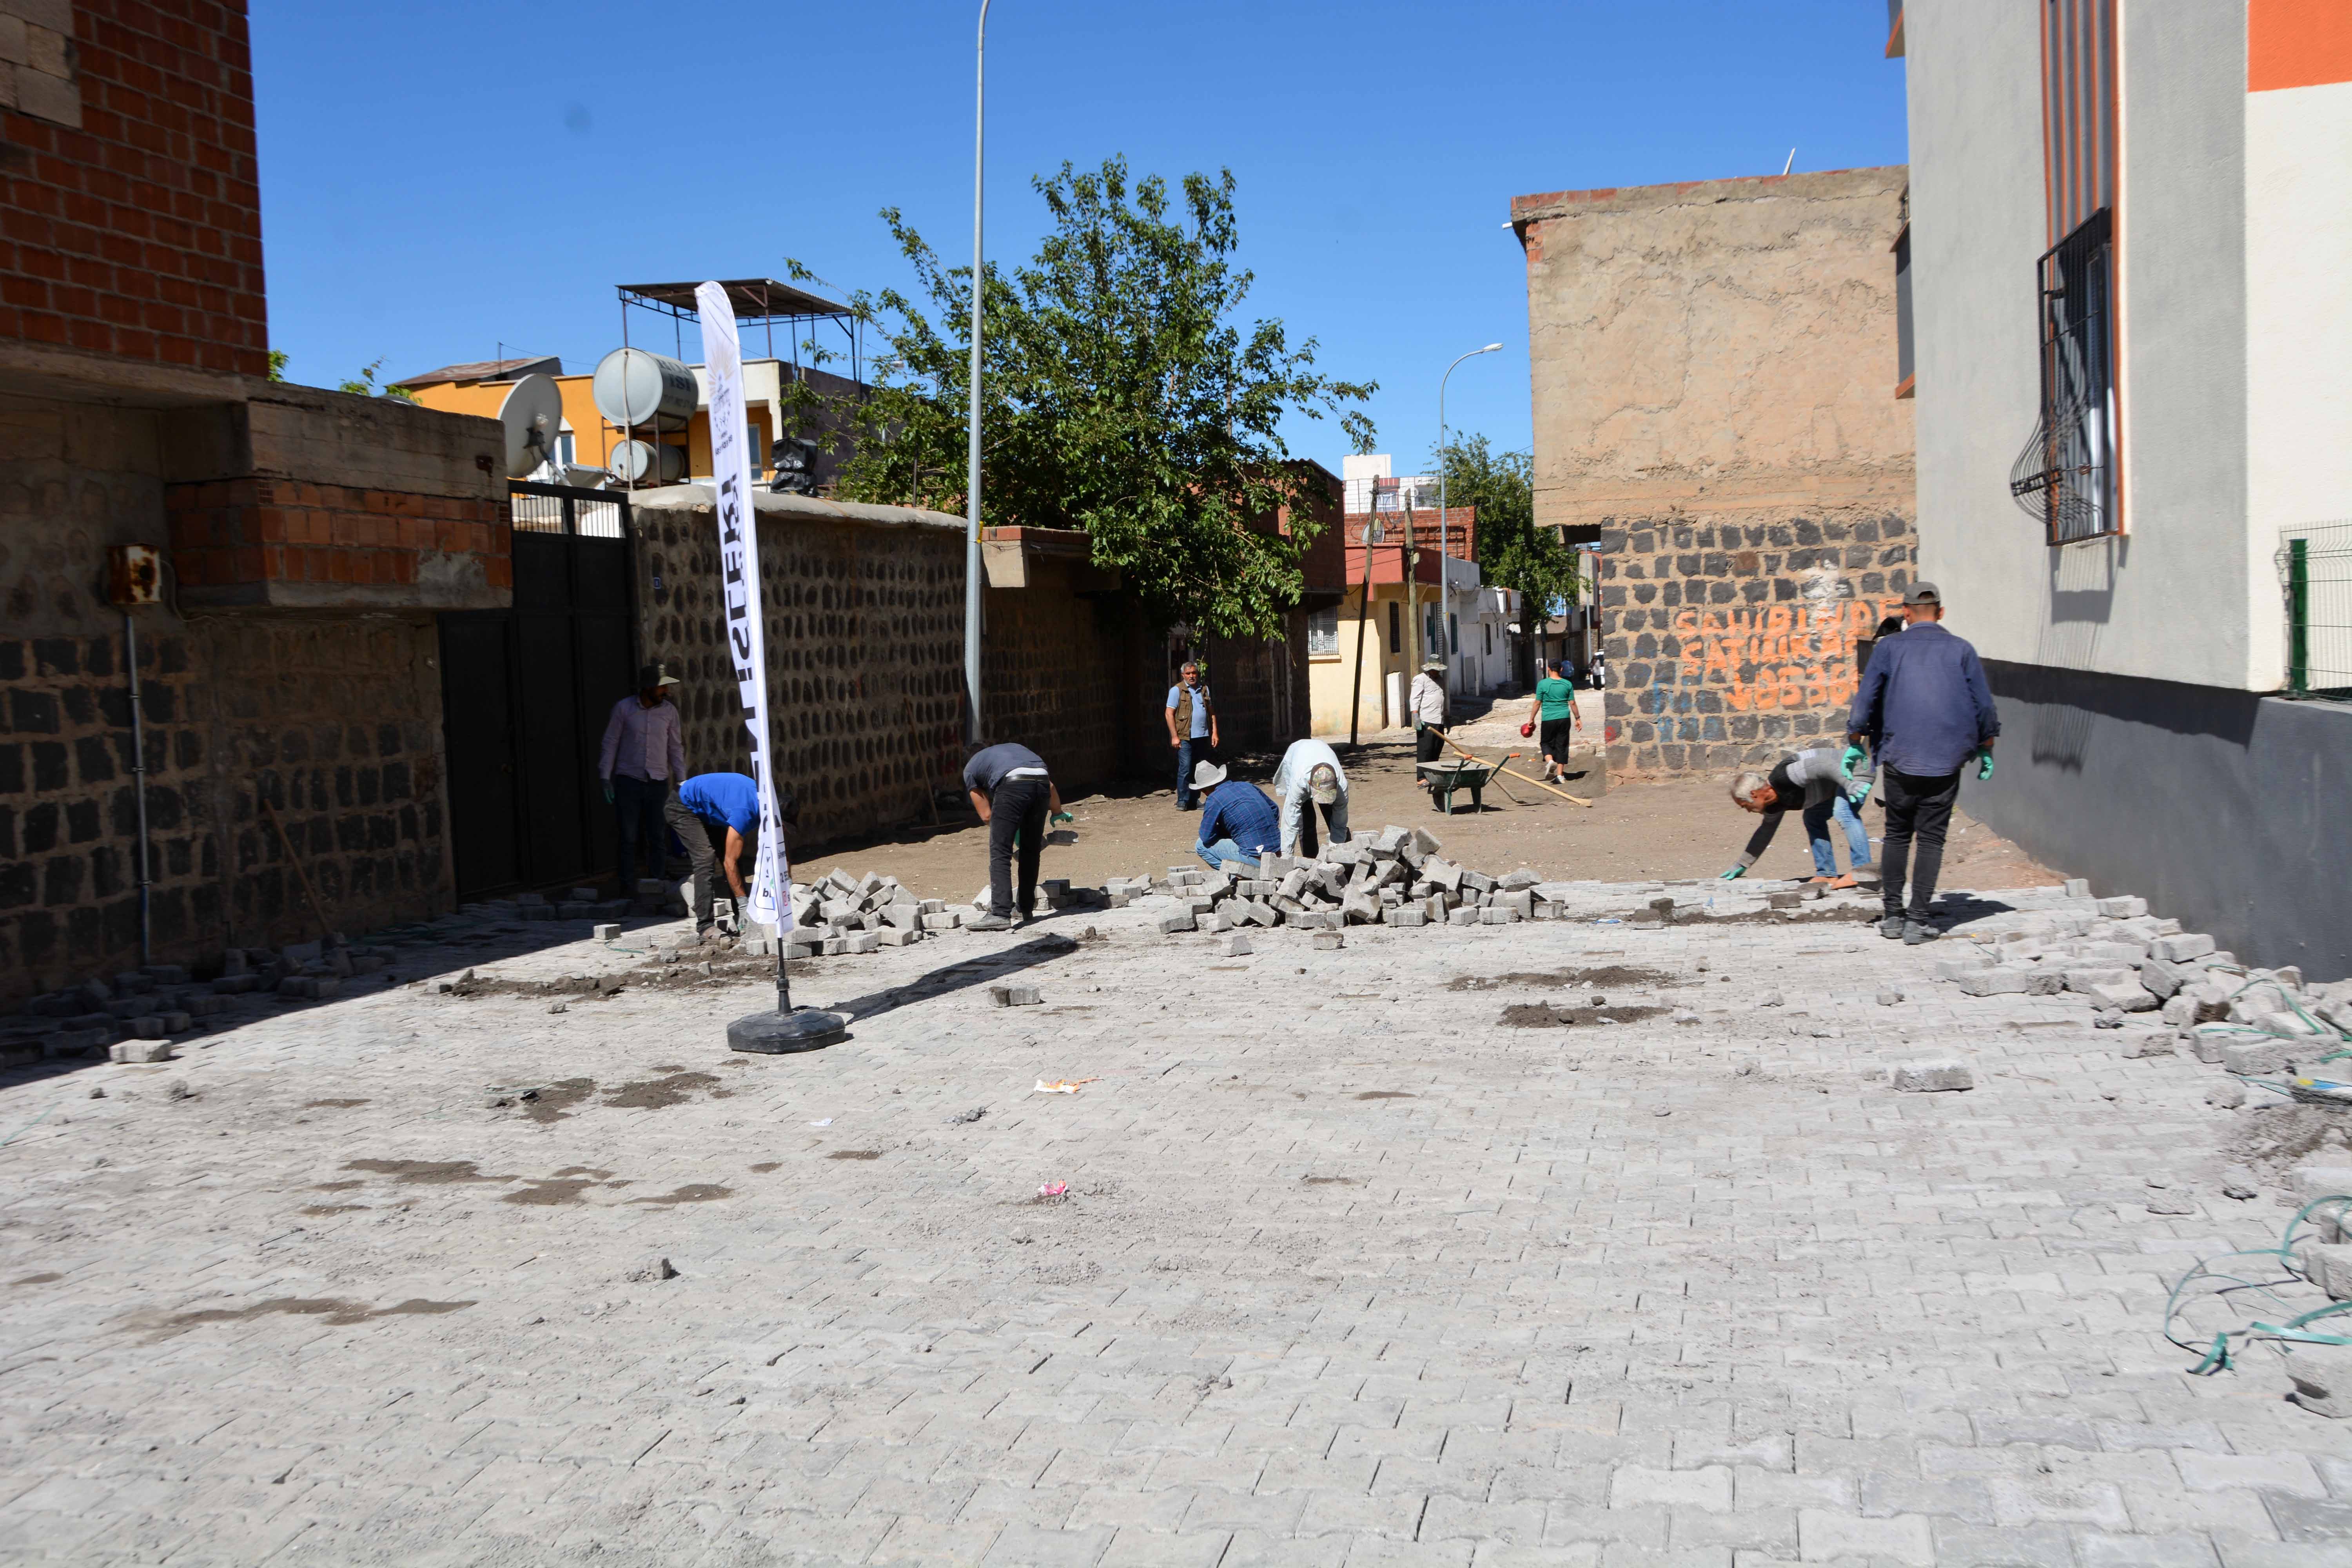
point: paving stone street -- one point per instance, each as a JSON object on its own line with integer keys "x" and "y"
{"x": 1553, "y": 1243}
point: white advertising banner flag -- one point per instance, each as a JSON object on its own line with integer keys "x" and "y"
{"x": 739, "y": 563}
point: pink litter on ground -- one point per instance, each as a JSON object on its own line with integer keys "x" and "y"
{"x": 1055, "y": 1190}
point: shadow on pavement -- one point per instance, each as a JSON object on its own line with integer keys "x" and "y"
{"x": 956, "y": 976}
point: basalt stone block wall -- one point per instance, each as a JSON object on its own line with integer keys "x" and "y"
{"x": 336, "y": 723}
{"x": 333, "y": 714}
{"x": 864, "y": 645}
{"x": 1732, "y": 640}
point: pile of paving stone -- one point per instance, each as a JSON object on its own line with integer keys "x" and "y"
{"x": 133, "y": 1016}
{"x": 2124, "y": 961}
{"x": 1396, "y": 878}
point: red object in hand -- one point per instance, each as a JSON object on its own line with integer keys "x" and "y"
{"x": 1526, "y": 728}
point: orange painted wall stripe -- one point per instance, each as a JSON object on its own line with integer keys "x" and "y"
{"x": 2298, "y": 43}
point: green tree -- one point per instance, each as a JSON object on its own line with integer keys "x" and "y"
{"x": 1513, "y": 552}
{"x": 1123, "y": 396}
{"x": 365, "y": 385}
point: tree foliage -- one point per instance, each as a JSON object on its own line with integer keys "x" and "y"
{"x": 1513, "y": 552}
{"x": 1122, "y": 394}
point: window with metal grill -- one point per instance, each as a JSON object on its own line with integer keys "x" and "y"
{"x": 2069, "y": 475}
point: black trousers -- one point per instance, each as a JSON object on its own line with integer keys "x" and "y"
{"x": 1429, "y": 746}
{"x": 1921, "y": 808}
{"x": 637, "y": 817}
{"x": 1016, "y": 826}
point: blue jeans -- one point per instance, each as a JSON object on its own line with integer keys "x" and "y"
{"x": 1817, "y": 832}
{"x": 1225, "y": 852}
{"x": 1188, "y": 751}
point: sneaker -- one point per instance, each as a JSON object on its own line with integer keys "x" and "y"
{"x": 1915, "y": 932}
{"x": 988, "y": 923}
{"x": 1891, "y": 927}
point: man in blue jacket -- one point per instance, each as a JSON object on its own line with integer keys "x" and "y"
{"x": 1926, "y": 709}
{"x": 1238, "y": 824}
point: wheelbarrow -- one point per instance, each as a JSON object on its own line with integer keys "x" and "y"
{"x": 1444, "y": 779}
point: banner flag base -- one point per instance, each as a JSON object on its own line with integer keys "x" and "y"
{"x": 775, "y": 1034}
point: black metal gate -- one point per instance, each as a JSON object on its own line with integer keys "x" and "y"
{"x": 525, "y": 693}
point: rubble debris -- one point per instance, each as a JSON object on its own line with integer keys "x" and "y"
{"x": 1014, "y": 996}
{"x": 651, "y": 1270}
{"x": 974, "y": 1114}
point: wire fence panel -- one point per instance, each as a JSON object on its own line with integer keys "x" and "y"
{"x": 2314, "y": 564}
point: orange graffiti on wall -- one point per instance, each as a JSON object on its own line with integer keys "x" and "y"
{"x": 1776, "y": 656}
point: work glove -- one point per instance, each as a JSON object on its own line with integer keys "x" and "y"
{"x": 1859, "y": 794}
{"x": 1733, "y": 875}
{"x": 1984, "y": 765}
{"x": 1854, "y": 757}
{"x": 608, "y": 792}
{"x": 1062, "y": 817}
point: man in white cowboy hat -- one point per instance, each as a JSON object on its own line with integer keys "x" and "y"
{"x": 1310, "y": 780}
{"x": 1426, "y": 703}
{"x": 1236, "y": 819}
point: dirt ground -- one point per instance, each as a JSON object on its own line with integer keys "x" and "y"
{"x": 1669, "y": 828}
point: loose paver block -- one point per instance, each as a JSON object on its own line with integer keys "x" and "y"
{"x": 1929, "y": 1074}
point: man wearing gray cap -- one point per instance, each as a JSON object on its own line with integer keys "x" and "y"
{"x": 1925, "y": 709}
{"x": 643, "y": 760}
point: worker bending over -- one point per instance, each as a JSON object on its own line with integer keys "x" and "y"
{"x": 1310, "y": 780}
{"x": 703, "y": 808}
{"x": 1238, "y": 822}
{"x": 1810, "y": 783}
{"x": 1012, "y": 792}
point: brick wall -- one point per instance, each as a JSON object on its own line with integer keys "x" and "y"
{"x": 1731, "y": 640}
{"x": 130, "y": 198}
{"x": 268, "y": 536}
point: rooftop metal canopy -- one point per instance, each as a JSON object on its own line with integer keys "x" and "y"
{"x": 754, "y": 299}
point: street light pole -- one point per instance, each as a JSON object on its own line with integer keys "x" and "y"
{"x": 1445, "y": 589}
{"x": 972, "y": 441}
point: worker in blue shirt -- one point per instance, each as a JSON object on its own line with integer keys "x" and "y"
{"x": 1925, "y": 709}
{"x": 701, "y": 807}
{"x": 1238, "y": 823}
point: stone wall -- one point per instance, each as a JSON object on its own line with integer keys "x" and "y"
{"x": 336, "y": 723}
{"x": 330, "y": 714}
{"x": 1732, "y": 639}
{"x": 1713, "y": 367}
{"x": 864, "y": 608}
{"x": 865, "y": 644}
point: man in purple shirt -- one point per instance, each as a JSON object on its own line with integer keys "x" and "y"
{"x": 643, "y": 760}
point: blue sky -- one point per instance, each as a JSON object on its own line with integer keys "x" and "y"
{"x": 437, "y": 177}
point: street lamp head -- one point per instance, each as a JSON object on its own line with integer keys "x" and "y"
{"x": 1491, "y": 347}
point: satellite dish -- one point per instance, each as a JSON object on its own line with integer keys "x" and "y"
{"x": 532, "y": 415}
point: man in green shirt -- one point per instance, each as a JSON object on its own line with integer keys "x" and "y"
{"x": 1555, "y": 709}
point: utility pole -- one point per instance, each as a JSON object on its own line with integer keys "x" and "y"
{"x": 971, "y": 579}
{"x": 1372, "y": 535}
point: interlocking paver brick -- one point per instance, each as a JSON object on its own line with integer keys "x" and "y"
{"x": 1342, "y": 1276}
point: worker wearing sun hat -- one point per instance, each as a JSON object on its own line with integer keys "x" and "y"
{"x": 1310, "y": 781}
{"x": 1426, "y": 703}
{"x": 642, "y": 760}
